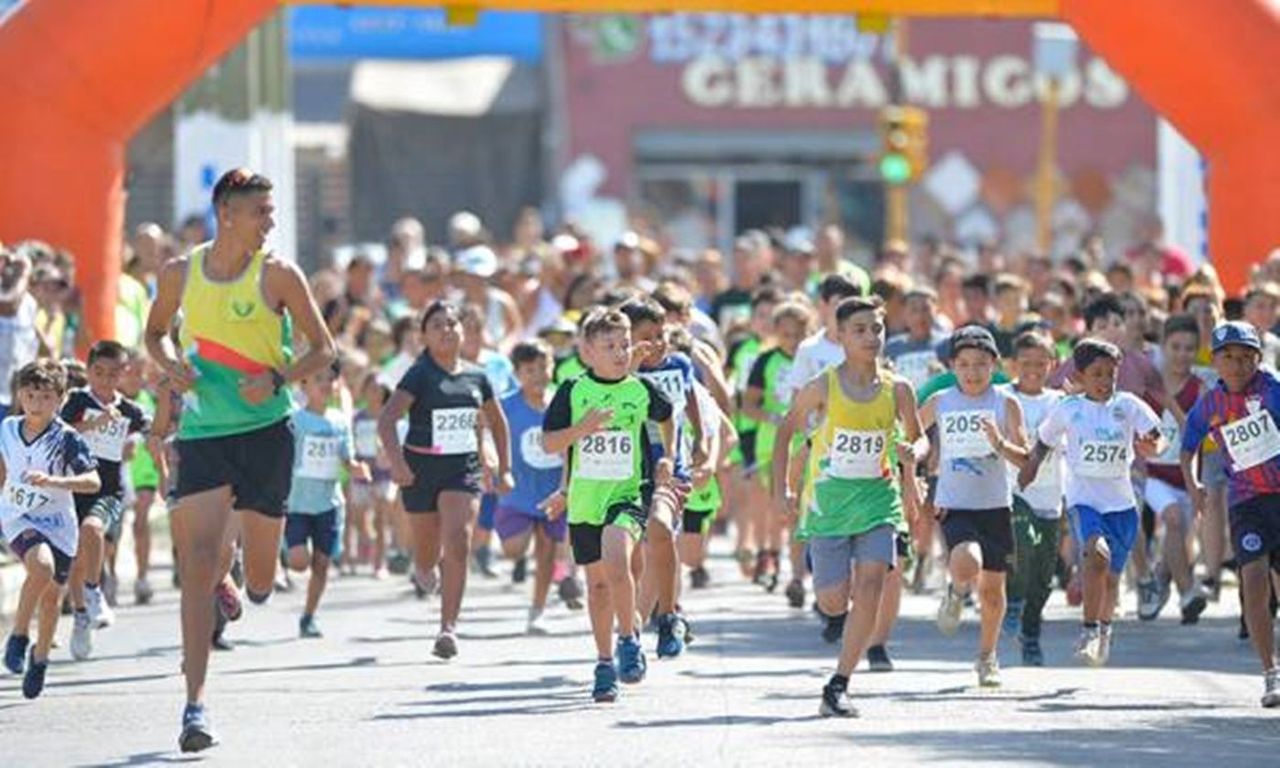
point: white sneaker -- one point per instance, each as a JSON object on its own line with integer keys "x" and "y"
{"x": 1149, "y": 602}
{"x": 950, "y": 612}
{"x": 1087, "y": 646}
{"x": 82, "y": 637}
{"x": 99, "y": 612}
{"x": 988, "y": 668}
{"x": 1104, "y": 644}
{"x": 1271, "y": 694}
{"x": 536, "y": 624}
{"x": 143, "y": 592}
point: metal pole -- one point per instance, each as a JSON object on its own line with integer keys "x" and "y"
{"x": 895, "y": 211}
{"x": 1046, "y": 166}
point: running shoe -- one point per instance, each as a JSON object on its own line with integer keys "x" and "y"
{"x": 143, "y": 592}
{"x": 1012, "y": 616}
{"x": 33, "y": 680}
{"x": 1104, "y": 644}
{"x": 196, "y": 736}
{"x": 570, "y": 592}
{"x": 950, "y": 611}
{"x": 1088, "y": 646}
{"x": 605, "y": 690}
{"x": 795, "y": 593}
{"x": 878, "y": 659}
{"x": 100, "y": 614}
{"x": 81, "y": 636}
{"x": 482, "y": 561}
{"x": 1271, "y": 688}
{"x": 15, "y": 653}
{"x": 228, "y": 598}
{"x": 221, "y": 643}
{"x": 632, "y": 664}
{"x": 762, "y": 566}
{"x": 1032, "y": 655}
{"x": 670, "y": 641}
{"x": 988, "y": 668}
{"x": 109, "y": 586}
{"x": 699, "y": 578}
{"x": 536, "y": 625}
{"x": 833, "y": 630}
{"x": 1193, "y": 604}
{"x": 520, "y": 571}
{"x": 1164, "y": 580}
{"x": 446, "y": 646}
{"x": 836, "y": 702}
{"x": 381, "y": 574}
{"x": 1149, "y": 604}
{"x": 307, "y": 627}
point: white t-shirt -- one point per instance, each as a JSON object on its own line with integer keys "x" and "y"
{"x": 18, "y": 343}
{"x": 1045, "y": 494}
{"x": 814, "y": 355}
{"x": 1099, "y": 447}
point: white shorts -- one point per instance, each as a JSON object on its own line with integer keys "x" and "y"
{"x": 1160, "y": 496}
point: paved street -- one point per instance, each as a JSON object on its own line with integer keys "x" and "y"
{"x": 369, "y": 693}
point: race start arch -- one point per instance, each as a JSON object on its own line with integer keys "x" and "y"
{"x": 80, "y": 78}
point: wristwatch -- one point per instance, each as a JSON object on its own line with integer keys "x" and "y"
{"x": 277, "y": 380}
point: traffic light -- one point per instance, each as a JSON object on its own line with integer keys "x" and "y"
{"x": 905, "y": 144}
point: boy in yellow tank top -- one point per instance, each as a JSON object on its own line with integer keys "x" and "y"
{"x": 852, "y": 503}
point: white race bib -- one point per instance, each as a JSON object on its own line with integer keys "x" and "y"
{"x": 534, "y": 455}
{"x": 1103, "y": 459}
{"x": 1173, "y": 443}
{"x": 916, "y": 367}
{"x": 108, "y": 440}
{"x": 608, "y": 455}
{"x": 454, "y": 431}
{"x": 1252, "y": 440}
{"x": 856, "y": 454}
{"x": 321, "y": 457}
{"x": 366, "y": 437}
{"x": 48, "y": 510}
{"x": 671, "y": 384}
{"x": 25, "y": 499}
{"x": 961, "y": 435}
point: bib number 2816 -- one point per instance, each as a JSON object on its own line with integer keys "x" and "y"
{"x": 607, "y": 455}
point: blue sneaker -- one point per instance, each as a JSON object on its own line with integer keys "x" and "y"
{"x": 196, "y": 733}
{"x": 632, "y": 665}
{"x": 33, "y": 681}
{"x": 1012, "y": 616}
{"x": 670, "y": 636}
{"x": 606, "y": 687}
{"x": 1032, "y": 655}
{"x": 15, "y": 653}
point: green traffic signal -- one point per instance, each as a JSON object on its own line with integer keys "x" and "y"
{"x": 895, "y": 168}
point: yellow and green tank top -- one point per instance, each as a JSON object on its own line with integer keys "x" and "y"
{"x": 851, "y": 484}
{"x": 228, "y": 334}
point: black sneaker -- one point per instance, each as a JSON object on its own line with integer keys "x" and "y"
{"x": 196, "y": 736}
{"x": 699, "y": 578}
{"x": 570, "y": 592}
{"x": 834, "y": 630}
{"x": 878, "y": 659}
{"x": 795, "y": 593}
{"x": 520, "y": 571}
{"x": 1032, "y": 655}
{"x": 33, "y": 680}
{"x": 836, "y": 702}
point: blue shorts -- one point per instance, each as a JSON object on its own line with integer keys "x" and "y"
{"x": 1118, "y": 529}
{"x": 323, "y": 532}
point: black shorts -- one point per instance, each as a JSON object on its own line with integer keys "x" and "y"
{"x": 1255, "y": 529}
{"x": 29, "y": 539}
{"x": 992, "y": 529}
{"x": 323, "y": 532}
{"x": 698, "y": 523}
{"x": 258, "y": 466}
{"x": 433, "y": 474}
{"x": 587, "y": 540}
{"x": 747, "y": 444}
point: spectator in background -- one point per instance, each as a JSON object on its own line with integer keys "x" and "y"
{"x": 977, "y": 299}
{"x": 49, "y": 288}
{"x": 1260, "y": 304}
{"x": 19, "y": 342}
{"x": 465, "y": 230}
{"x": 1164, "y": 259}
{"x": 948, "y": 281}
{"x": 829, "y": 250}
{"x": 473, "y": 267}
{"x": 629, "y": 263}
{"x": 406, "y": 250}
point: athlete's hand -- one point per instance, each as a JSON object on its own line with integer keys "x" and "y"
{"x": 701, "y": 475}
{"x": 257, "y": 388}
{"x": 1198, "y": 498}
{"x": 506, "y": 481}
{"x": 785, "y": 505}
{"x": 555, "y": 504}
{"x": 39, "y": 479}
{"x": 178, "y": 375}
{"x": 906, "y": 454}
{"x": 360, "y": 471}
{"x": 663, "y": 471}
{"x": 596, "y": 420}
{"x": 1146, "y": 445}
{"x": 400, "y": 473}
{"x": 992, "y": 432}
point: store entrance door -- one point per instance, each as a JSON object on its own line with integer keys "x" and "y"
{"x": 767, "y": 204}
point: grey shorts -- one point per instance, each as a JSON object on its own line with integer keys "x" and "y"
{"x": 1213, "y": 468}
{"x": 833, "y": 556}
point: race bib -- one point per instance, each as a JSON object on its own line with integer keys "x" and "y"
{"x": 23, "y": 499}
{"x": 454, "y": 431}
{"x": 321, "y": 458}
{"x": 1103, "y": 459}
{"x": 534, "y": 455}
{"x": 108, "y": 440}
{"x": 961, "y": 435}
{"x": 366, "y": 436}
{"x": 857, "y": 454}
{"x": 1252, "y": 440}
{"x": 916, "y": 367}
{"x": 608, "y": 455}
{"x": 1173, "y": 444}
{"x": 671, "y": 384}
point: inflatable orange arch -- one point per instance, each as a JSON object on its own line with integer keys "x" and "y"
{"x": 81, "y": 78}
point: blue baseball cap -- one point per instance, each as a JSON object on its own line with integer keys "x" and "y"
{"x": 1236, "y": 332}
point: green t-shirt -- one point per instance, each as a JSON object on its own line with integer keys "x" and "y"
{"x": 769, "y": 369}
{"x": 741, "y": 357}
{"x": 568, "y": 368}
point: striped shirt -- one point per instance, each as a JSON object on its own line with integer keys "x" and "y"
{"x": 1217, "y": 408}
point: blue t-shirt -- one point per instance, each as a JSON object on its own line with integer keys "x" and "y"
{"x": 321, "y": 447}
{"x": 500, "y": 372}
{"x": 673, "y": 377}
{"x": 537, "y": 473}
{"x": 1237, "y": 424}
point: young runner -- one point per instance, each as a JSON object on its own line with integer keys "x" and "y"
{"x": 852, "y": 505}
{"x": 43, "y": 462}
{"x": 313, "y": 530}
{"x": 1102, "y": 427}
{"x": 370, "y": 508}
{"x": 1241, "y": 412}
{"x": 439, "y": 465}
{"x": 979, "y": 428}
{"x": 598, "y": 421}
{"x": 139, "y": 384}
{"x": 521, "y": 517}
{"x": 106, "y": 419}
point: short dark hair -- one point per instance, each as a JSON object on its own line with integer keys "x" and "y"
{"x": 644, "y": 310}
{"x": 1034, "y": 339}
{"x": 1102, "y": 307}
{"x": 673, "y": 297}
{"x": 837, "y": 286}
{"x": 435, "y": 308}
{"x": 530, "y": 352}
{"x": 601, "y": 321}
{"x": 108, "y": 349}
{"x": 239, "y": 181}
{"x": 977, "y": 282}
{"x": 1089, "y": 351}
{"x": 855, "y": 304}
{"x": 43, "y": 374}
{"x": 1181, "y": 323}
{"x": 766, "y": 295}
{"x": 401, "y": 328}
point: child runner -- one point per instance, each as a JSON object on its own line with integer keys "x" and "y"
{"x": 979, "y": 427}
{"x": 1037, "y": 508}
{"x": 852, "y": 504}
{"x": 139, "y": 385}
{"x": 438, "y": 466}
{"x": 520, "y": 516}
{"x": 106, "y": 419}
{"x": 44, "y": 461}
{"x": 313, "y": 530}
{"x": 1241, "y": 412}
{"x": 371, "y": 502}
{"x": 1101, "y": 425}
{"x": 599, "y": 420}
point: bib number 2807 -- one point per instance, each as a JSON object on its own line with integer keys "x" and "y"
{"x": 1252, "y": 440}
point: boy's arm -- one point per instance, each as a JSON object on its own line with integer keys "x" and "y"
{"x": 803, "y": 404}
{"x": 497, "y": 421}
{"x": 1013, "y": 448}
{"x": 1148, "y": 441}
{"x": 917, "y": 447}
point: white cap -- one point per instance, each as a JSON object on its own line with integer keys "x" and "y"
{"x": 628, "y": 240}
{"x": 465, "y": 224}
{"x": 565, "y": 243}
{"x": 478, "y": 260}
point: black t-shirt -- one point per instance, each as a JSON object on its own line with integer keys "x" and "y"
{"x": 444, "y": 402}
{"x": 734, "y": 297}
{"x": 106, "y": 442}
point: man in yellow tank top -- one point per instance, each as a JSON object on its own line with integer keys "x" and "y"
{"x": 852, "y": 505}
{"x": 235, "y": 449}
